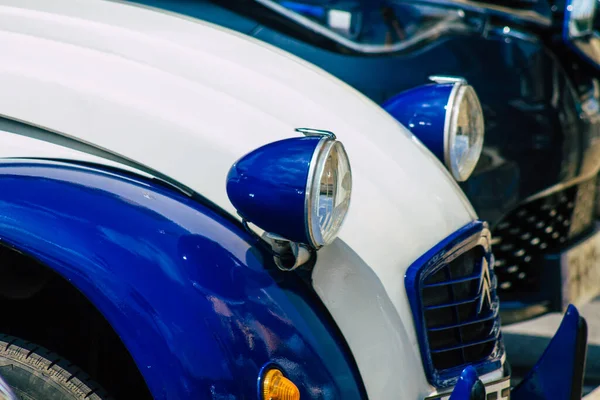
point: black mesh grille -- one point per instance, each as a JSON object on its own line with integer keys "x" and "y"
{"x": 461, "y": 311}
{"x": 537, "y": 228}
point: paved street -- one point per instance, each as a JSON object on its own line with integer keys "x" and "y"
{"x": 526, "y": 341}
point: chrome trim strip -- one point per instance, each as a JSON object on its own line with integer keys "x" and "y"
{"x": 560, "y": 187}
{"x": 447, "y": 25}
{"x": 40, "y": 132}
{"x": 487, "y": 6}
{"x": 316, "y": 132}
{"x": 441, "y": 79}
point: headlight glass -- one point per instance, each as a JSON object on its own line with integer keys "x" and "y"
{"x": 329, "y": 193}
{"x": 581, "y": 22}
{"x": 466, "y": 130}
{"x": 371, "y": 26}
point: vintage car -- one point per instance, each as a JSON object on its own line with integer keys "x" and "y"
{"x": 536, "y": 180}
{"x": 171, "y": 205}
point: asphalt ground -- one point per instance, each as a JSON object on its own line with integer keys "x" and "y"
{"x": 525, "y": 342}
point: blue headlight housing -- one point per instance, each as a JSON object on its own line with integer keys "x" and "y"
{"x": 298, "y": 189}
{"x": 448, "y": 119}
{"x": 423, "y": 111}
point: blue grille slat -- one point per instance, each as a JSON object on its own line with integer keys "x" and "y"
{"x": 453, "y": 298}
{"x": 453, "y": 282}
{"x": 465, "y": 345}
{"x": 454, "y": 304}
{"x": 462, "y": 324}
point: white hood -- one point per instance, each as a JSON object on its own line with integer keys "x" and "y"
{"x": 188, "y": 99}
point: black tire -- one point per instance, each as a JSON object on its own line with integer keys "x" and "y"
{"x": 35, "y": 373}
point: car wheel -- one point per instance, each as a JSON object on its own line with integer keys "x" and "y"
{"x": 34, "y": 373}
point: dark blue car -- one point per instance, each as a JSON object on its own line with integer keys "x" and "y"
{"x": 536, "y": 181}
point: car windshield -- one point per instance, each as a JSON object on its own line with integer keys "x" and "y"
{"x": 370, "y": 25}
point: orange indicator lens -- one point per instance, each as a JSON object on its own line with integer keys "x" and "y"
{"x": 278, "y": 387}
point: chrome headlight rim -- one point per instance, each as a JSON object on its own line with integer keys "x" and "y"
{"x": 315, "y": 173}
{"x": 460, "y": 90}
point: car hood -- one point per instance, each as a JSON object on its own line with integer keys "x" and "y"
{"x": 188, "y": 99}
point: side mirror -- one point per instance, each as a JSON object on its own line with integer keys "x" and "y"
{"x": 447, "y": 117}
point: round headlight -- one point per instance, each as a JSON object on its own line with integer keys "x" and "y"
{"x": 465, "y": 132}
{"x": 296, "y": 190}
{"x": 328, "y": 191}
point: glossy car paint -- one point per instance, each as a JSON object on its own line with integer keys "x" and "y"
{"x": 423, "y": 111}
{"x": 465, "y": 385}
{"x": 538, "y": 14}
{"x": 188, "y": 99}
{"x": 198, "y": 304}
{"x": 558, "y": 374}
{"x": 531, "y": 106}
{"x": 268, "y": 186}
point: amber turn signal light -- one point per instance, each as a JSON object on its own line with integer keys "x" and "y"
{"x": 275, "y": 386}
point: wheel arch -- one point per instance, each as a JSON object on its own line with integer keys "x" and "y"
{"x": 72, "y": 219}
{"x": 196, "y": 302}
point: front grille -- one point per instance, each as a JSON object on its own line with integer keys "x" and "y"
{"x": 538, "y": 228}
{"x": 455, "y": 306}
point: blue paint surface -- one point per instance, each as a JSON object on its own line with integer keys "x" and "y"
{"x": 558, "y": 374}
{"x": 198, "y": 304}
{"x": 268, "y": 186}
{"x": 464, "y": 386}
{"x": 316, "y": 11}
{"x": 423, "y": 111}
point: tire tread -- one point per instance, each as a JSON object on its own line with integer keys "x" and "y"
{"x": 51, "y": 366}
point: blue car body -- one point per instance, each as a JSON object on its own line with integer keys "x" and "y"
{"x": 541, "y": 152}
{"x": 178, "y": 282}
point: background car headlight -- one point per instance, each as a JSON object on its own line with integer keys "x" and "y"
{"x": 447, "y": 117}
{"x": 465, "y": 130}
